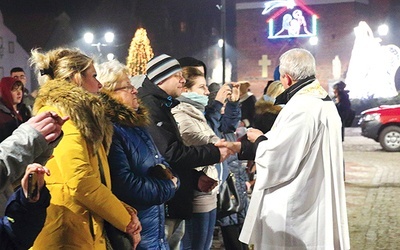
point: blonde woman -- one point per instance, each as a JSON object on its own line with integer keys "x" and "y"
{"x": 80, "y": 177}
{"x": 266, "y": 110}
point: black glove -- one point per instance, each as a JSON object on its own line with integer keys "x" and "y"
{"x": 160, "y": 171}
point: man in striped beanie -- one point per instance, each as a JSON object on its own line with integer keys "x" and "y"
{"x": 164, "y": 83}
{"x": 166, "y": 73}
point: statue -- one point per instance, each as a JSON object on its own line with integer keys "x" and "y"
{"x": 372, "y": 66}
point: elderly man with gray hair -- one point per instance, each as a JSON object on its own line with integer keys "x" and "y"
{"x": 298, "y": 201}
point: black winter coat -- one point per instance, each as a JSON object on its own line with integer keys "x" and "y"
{"x": 182, "y": 159}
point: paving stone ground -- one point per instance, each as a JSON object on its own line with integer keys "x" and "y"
{"x": 372, "y": 194}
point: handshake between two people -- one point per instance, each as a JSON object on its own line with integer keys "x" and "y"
{"x": 227, "y": 148}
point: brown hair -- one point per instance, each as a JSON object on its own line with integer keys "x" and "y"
{"x": 190, "y": 74}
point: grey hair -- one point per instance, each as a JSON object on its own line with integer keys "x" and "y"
{"x": 110, "y": 73}
{"x": 298, "y": 63}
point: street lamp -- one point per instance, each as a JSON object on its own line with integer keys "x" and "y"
{"x": 221, "y": 43}
{"x": 383, "y": 30}
{"x": 88, "y": 37}
{"x": 108, "y": 38}
{"x": 110, "y": 56}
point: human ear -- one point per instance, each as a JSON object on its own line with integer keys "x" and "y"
{"x": 77, "y": 79}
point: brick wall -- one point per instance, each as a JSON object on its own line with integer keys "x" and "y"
{"x": 335, "y": 32}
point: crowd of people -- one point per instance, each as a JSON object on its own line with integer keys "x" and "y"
{"x": 100, "y": 159}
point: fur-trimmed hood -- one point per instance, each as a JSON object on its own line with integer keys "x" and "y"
{"x": 85, "y": 110}
{"x": 263, "y": 107}
{"x": 119, "y": 113}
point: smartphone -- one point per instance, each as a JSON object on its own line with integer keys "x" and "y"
{"x": 32, "y": 185}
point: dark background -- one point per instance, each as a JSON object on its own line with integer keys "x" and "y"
{"x": 176, "y": 27}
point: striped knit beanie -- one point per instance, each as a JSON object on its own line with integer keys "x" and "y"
{"x": 161, "y": 67}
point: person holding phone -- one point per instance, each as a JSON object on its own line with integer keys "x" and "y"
{"x": 32, "y": 141}
{"x": 25, "y": 214}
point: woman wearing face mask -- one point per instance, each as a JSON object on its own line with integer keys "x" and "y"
{"x": 194, "y": 129}
{"x": 12, "y": 111}
{"x": 80, "y": 183}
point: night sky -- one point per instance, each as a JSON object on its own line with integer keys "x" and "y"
{"x": 40, "y": 23}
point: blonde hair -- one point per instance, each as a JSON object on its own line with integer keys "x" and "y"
{"x": 60, "y": 63}
{"x": 110, "y": 73}
{"x": 274, "y": 89}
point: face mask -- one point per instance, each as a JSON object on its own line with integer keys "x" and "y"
{"x": 268, "y": 98}
{"x": 202, "y": 99}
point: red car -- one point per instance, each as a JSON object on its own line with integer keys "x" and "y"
{"x": 383, "y": 125}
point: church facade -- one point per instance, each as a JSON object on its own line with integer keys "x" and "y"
{"x": 265, "y": 30}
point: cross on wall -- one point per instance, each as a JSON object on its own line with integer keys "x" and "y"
{"x": 264, "y": 63}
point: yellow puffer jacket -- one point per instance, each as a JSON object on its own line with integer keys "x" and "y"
{"x": 80, "y": 201}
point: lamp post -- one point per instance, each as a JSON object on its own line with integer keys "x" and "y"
{"x": 222, "y": 41}
{"x": 108, "y": 40}
{"x": 223, "y": 33}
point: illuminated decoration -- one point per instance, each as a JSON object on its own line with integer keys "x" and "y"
{"x": 140, "y": 52}
{"x": 292, "y": 19}
{"x": 372, "y": 66}
{"x": 278, "y": 3}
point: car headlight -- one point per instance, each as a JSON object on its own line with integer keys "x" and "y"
{"x": 371, "y": 117}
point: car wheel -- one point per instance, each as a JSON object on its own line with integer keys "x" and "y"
{"x": 390, "y": 138}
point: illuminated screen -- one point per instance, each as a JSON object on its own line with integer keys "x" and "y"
{"x": 293, "y": 23}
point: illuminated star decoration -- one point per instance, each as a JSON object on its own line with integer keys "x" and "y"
{"x": 277, "y": 4}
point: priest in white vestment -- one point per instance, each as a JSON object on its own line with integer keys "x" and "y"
{"x": 299, "y": 199}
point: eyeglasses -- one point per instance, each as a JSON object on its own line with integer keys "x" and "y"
{"x": 179, "y": 75}
{"x": 129, "y": 88}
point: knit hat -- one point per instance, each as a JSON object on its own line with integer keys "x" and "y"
{"x": 137, "y": 81}
{"x": 161, "y": 67}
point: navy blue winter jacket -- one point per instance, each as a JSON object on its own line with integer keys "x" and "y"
{"x": 23, "y": 221}
{"x": 131, "y": 155}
